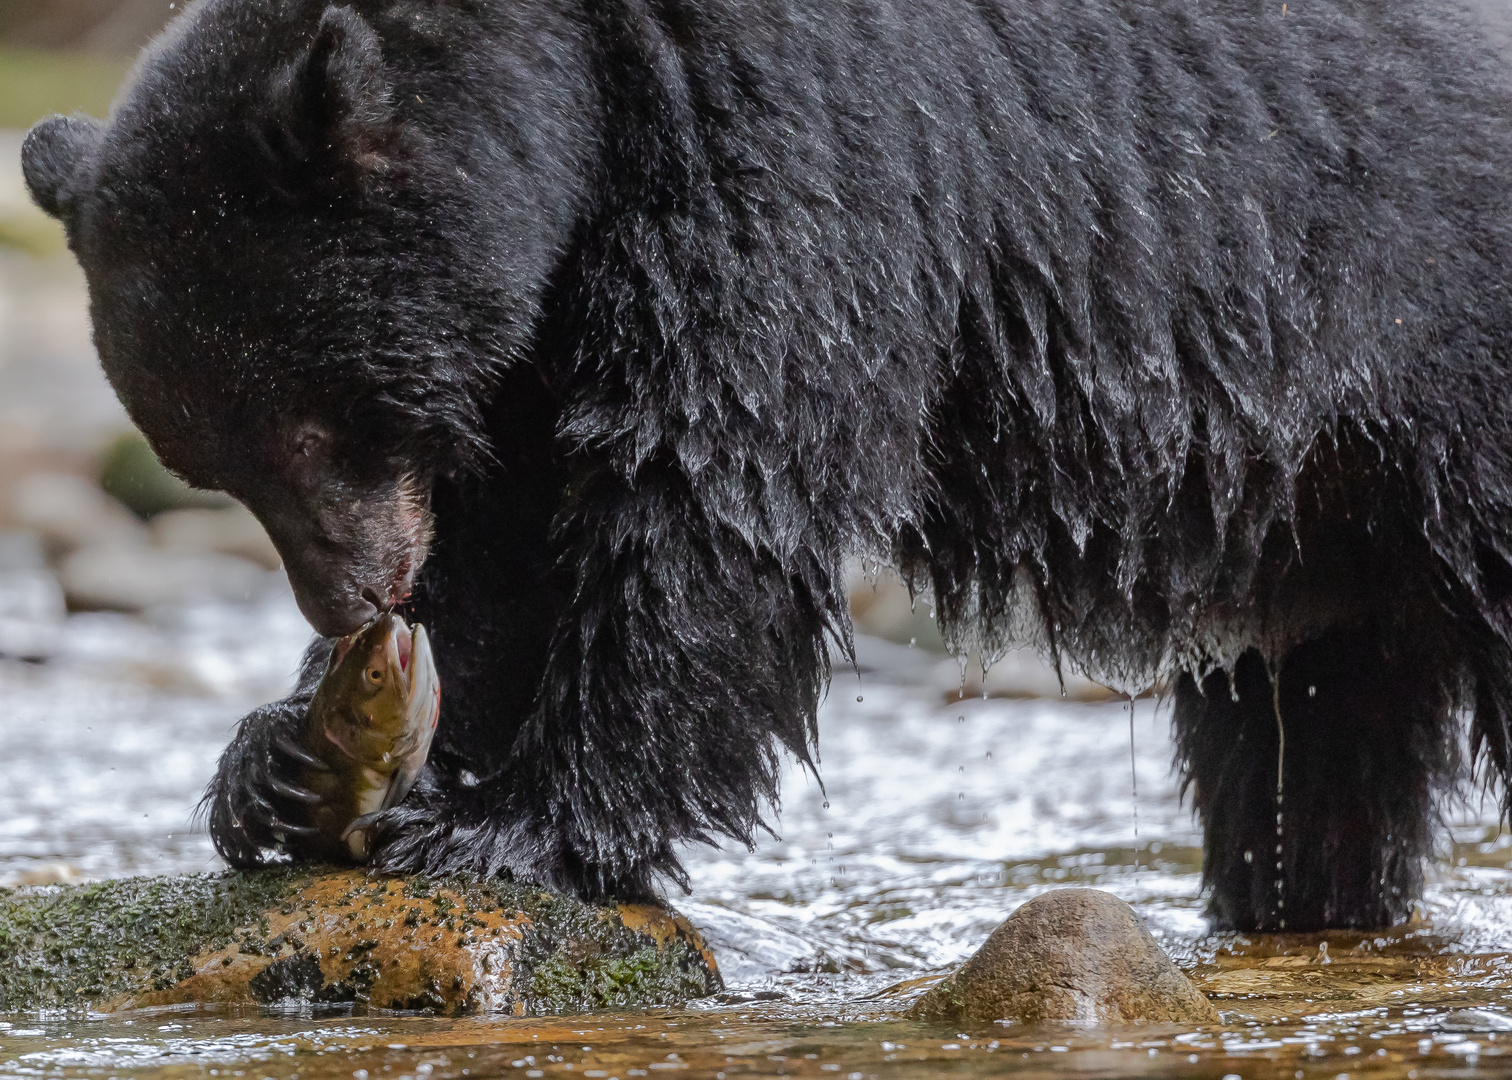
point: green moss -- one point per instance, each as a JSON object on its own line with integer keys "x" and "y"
{"x": 577, "y": 959}
{"x": 576, "y": 956}
{"x": 571, "y": 982}
{"x": 133, "y": 474}
{"x": 31, "y": 231}
{"x": 38, "y": 82}
{"x": 66, "y": 945}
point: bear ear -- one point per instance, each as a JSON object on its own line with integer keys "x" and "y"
{"x": 330, "y": 123}
{"x": 50, "y": 159}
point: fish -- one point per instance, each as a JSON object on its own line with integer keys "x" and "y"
{"x": 367, "y": 732}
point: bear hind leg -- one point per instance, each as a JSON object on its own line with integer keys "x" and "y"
{"x": 1342, "y": 840}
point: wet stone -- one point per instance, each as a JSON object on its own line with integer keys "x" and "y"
{"x": 231, "y": 530}
{"x": 450, "y": 946}
{"x": 69, "y": 512}
{"x": 1077, "y": 956}
{"x": 129, "y": 577}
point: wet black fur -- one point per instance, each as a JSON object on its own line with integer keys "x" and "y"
{"x": 1172, "y": 336}
{"x": 1365, "y": 755}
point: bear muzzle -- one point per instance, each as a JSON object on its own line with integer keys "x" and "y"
{"x": 346, "y": 566}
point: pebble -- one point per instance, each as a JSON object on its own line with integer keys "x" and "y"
{"x": 42, "y": 873}
{"x": 1476, "y": 1020}
{"x": 21, "y": 550}
{"x": 32, "y": 610}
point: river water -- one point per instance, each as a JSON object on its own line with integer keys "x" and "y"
{"x": 935, "y": 820}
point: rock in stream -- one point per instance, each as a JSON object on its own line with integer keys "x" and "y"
{"x": 1077, "y": 956}
{"x": 449, "y": 946}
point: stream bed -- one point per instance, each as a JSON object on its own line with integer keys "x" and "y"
{"x": 935, "y": 820}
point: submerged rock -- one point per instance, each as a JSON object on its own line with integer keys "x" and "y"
{"x": 1074, "y": 956}
{"x": 448, "y": 946}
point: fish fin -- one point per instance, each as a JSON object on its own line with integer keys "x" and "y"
{"x": 403, "y": 778}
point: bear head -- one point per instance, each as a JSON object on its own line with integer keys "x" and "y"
{"x": 273, "y": 298}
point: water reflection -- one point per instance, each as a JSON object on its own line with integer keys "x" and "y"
{"x": 729, "y": 1043}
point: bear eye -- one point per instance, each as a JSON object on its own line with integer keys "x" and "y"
{"x": 310, "y": 441}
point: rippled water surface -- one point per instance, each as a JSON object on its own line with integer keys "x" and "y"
{"x": 936, "y": 819}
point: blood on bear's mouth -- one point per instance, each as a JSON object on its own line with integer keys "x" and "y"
{"x": 399, "y": 588}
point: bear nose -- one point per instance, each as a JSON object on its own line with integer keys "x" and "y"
{"x": 333, "y": 616}
{"x": 328, "y": 597}
{"x": 379, "y": 601}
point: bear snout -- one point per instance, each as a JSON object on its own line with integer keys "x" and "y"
{"x": 333, "y": 602}
{"x": 346, "y": 567}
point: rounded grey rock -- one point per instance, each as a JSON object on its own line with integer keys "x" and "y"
{"x": 1077, "y": 956}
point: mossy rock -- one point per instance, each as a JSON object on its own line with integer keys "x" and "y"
{"x": 132, "y": 473}
{"x": 447, "y": 946}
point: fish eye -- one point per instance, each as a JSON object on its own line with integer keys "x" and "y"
{"x": 375, "y": 676}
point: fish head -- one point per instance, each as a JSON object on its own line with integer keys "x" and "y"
{"x": 369, "y": 685}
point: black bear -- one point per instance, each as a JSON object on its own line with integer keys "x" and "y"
{"x": 597, "y": 334}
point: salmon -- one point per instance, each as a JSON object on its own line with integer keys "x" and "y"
{"x": 367, "y": 732}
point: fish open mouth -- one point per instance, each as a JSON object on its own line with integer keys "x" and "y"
{"x": 403, "y": 640}
{"x": 344, "y": 644}
{"x": 405, "y": 643}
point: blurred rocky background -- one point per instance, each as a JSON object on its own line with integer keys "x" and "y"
{"x": 138, "y": 619}
{"x": 88, "y": 518}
